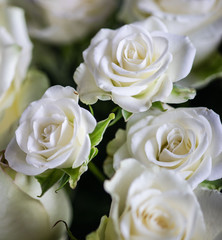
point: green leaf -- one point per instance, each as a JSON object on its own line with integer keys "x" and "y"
{"x": 215, "y": 185}
{"x": 63, "y": 181}
{"x": 126, "y": 115}
{"x": 159, "y": 105}
{"x": 94, "y": 151}
{"x": 75, "y": 174}
{"x": 97, "y": 135}
{"x": 181, "y": 94}
{"x": 48, "y": 179}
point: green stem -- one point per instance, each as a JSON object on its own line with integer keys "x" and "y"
{"x": 91, "y": 109}
{"x": 96, "y": 172}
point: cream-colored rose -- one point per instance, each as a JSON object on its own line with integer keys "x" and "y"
{"x": 200, "y": 20}
{"x": 62, "y": 21}
{"x": 17, "y": 88}
{"x": 187, "y": 140}
{"x": 53, "y": 132}
{"x": 134, "y": 65}
{"x": 151, "y": 204}
{"x": 158, "y": 204}
{"x": 15, "y": 46}
{"x": 25, "y": 216}
{"x": 211, "y": 204}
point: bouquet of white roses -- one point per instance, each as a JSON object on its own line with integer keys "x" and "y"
{"x": 110, "y": 120}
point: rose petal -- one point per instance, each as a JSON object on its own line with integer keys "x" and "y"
{"x": 12, "y": 214}
{"x": 88, "y": 91}
{"x": 16, "y": 159}
{"x": 211, "y": 205}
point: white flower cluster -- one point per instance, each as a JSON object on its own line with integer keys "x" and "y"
{"x": 164, "y": 166}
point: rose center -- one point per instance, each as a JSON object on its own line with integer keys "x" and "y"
{"x": 174, "y": 143}
{"x": 155, "y": 219}
{"x": 47, "y": 131}
{"x": 177, "y": 142}
{"x": 162, "y": 222}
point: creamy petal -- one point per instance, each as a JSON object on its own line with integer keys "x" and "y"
{"x": 17, "y": 160}
{"x": 12, "y": 214}
{"x": 211, "y": 205}
{"x": 87, "y": 89}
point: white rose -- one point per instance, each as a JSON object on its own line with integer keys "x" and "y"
{"x": 25, "y": 216}
{"x": 158, "y": 204}
{"x": 62, "y": 21}
{"x": 187, "y": 140}
{"x": 15, "y": 46}
{"x": 211, "y": 204}
{"x": 16, "y": 88}
{"x": 200, "y": 20}
{"x": 15, "y": 52}
{"x": 53, "y": 132}
{"x": 134, "y": 65}
{"x": 151, "y": 204}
